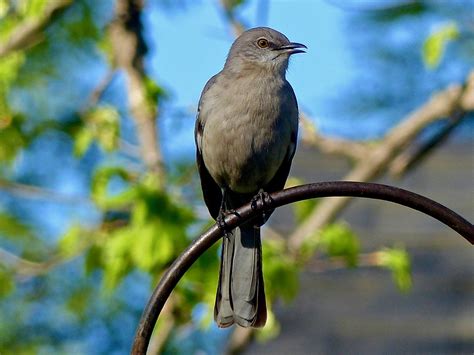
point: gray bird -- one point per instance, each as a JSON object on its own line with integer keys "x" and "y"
{"x": 245, "y": 135}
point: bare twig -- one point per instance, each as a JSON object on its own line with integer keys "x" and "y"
{"x": 371, "y": 259}
{"x": 99, "y": 90}
{"x": 239, "y": 339}
{"x": 159, "y": 339}
{"x": 409, "y": 159}
{"x": 27, "y": 268}
{"x": 129, "y": 149}
{"x": 237, "y": 26}
{"x": 29, "y": 32}
{"x": 24, "y": 267}
{"x": 35, "y": 192}
{"x": 335, "y": 146}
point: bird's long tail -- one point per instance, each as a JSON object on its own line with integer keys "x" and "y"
{"x": 240, "y": 293}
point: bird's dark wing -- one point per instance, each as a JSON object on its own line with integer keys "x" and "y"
{"x": 211, "y": 191}
{"x": 279, "y": 180}
{"x": 290, "y": 109}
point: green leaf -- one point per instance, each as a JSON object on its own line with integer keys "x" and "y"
{"x": 71, "y": 242}
{"x": 9, "y": 68}
{"x": 200, "y": 283}
{"x": 339, "y": 240}
{"x": 393, "y": 11}
{"x": 7, "y": 283}
{"x": 117, "y": 257}
{"x": 11, "y": 141}
{"x": 82, "y": 141}
{"x": 104, "y": 44}
{"x": 281, "y": 273}
{"x": 94, "y": 259}
{"x": 12, "y": 227}
{"x": 231, "y": 4}
{"x": 398, "y": 262}
{"x": 100, "y": 188}
{"x": 7, "y": 25}
{"x": 102, "y": 125}
{"x": 32, "y": 8}
{"x": 4, "y": 7}
{"x": 153, "y": 91}
{"x": 303, "y": 209}
{"x": 435, "y": 45}
{"x": 79, "y": 302}
{"x": 82, "y": 27}
{"x": 152, "y": 247}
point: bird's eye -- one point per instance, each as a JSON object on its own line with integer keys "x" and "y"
{"x": 262, "y": 43}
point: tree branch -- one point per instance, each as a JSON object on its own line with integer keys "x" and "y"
{"x": 409, "y": 159}
{"x": 24, "y": 267}
{"x": 129, "y": 49}
{"x": 98, "y": 91}
{"x": 28, "y": 268}
{"x": 336, "y": 146}
{"x": 439, "y": 106}
{"x": 35, "y": 192}
{"x": 29, "y": 32}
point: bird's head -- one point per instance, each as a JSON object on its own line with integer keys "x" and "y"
{"x": 262, "y": 47}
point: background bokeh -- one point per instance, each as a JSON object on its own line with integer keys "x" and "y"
{"x": 99, "y": 193}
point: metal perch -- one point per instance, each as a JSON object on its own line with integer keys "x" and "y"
{"x": 280, "y": 198}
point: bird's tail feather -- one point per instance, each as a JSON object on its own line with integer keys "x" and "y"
{"x": 240, "y": 293}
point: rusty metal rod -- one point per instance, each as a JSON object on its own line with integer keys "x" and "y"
{"x": 304, "y": 192}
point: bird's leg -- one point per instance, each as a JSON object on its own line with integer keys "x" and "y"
{"x": 223, "y": 212}
{"x": 221, "y": 216}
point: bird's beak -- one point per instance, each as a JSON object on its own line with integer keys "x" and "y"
{"x": 292, "y": 48}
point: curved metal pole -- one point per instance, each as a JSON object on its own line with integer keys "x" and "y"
{"x": 280, "y": 198}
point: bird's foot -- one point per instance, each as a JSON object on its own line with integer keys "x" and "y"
{"x": 263, "y": 198}
{"x": 221, "y": 223}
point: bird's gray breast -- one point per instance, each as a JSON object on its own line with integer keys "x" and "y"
{"x": 247, "y": 131}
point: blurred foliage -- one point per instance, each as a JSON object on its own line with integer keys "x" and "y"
{"x": 398, "y": 262}
{"x": 338, "y": 240}
{"x": 101, "y": 125}
{"x": 7, "y": 284}
{"x": 435, "y": 45}
{"x": 394, "y": 11}
{"x": 142, "y": 227}
{"x": 301, "y": 209}
{"x": 280, "y": 271}
{"x": 129, "y": 229}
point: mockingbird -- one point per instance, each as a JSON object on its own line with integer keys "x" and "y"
{"x": 245, "y": 134}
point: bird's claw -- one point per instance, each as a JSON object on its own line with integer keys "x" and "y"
{"x": 263, "y": 197}
{"x": 221, "y": 223}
